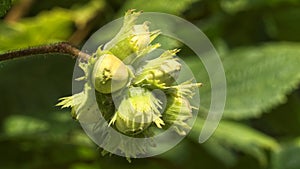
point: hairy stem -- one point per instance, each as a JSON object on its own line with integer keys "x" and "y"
{"x": 60, "y": 48}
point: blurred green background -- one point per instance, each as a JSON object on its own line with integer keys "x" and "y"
{"x": 258, "y": 41}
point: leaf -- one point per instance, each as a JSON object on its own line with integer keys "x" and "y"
{"x": 4, "y": 6}
{"x": 283, "y": 24}
{"x": 219, "y": 151}
{"x": 235, "y": 6}
{"x": 34, "y": 84}
{"x": 86, "y": 12}
{"x": 236, "y": 136}
{"x": 29, "y": 92}
{"x": 47, "y": 27}
{"x": 288, "y": 156}
{"x": 166, "y": 6}
{"x": 288, "y": 113}
{"x": 20, "y": 125}
{"x": 261, "y": 78}
{"x": 84, "y": 166}
{"x": 258, "y": 78}
{"x": 55, "y": 126}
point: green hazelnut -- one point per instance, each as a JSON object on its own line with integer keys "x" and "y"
{"x": 109, "y": 74}
{"x": 137, "y": 112}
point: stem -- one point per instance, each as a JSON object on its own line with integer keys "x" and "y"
{"x": 60, "y": 48}
{"x": 18, "y": 10}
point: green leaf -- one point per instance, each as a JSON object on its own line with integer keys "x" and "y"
{"x": 84, "y": 166}
{"x": 283, "y": 24}
{"x": 166, "y": 6}
{"x": 34, "y": 84}
{"x": 29, "y": 92}
{"x": 4, "y": 6}
{"x": 82, "y": 14}
{"x": 235, "y": 6}
{"x": 47, "y": 27}
{"x": 239, "y": 137}
{"x": 261, "y": 78}
{"x": 19, "y": 125}
{"x": 288, "y": 156}
{"x": 288, "y": 113}
{"x": 258, "y": 78}
{"x": 219, "y": 151}
{"x": 53, "y": 127}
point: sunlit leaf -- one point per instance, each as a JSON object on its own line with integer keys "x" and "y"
{"x": 36, "y": 30}
{"x": 20, "y": 125}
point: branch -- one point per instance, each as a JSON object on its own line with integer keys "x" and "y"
{"x": 18, "y": 10}
{"x": 60, "y": 48}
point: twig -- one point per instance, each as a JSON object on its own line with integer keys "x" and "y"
{"x": 83, "y": 31}
{"x": 60, "y": 48}
{"x": 18, "y": 10}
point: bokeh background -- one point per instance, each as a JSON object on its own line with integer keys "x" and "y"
{"x": 258, "y": 42}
